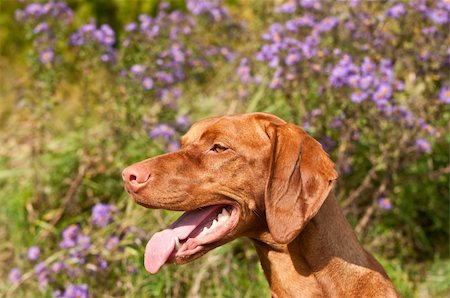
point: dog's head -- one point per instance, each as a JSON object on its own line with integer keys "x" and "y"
{"x": 234, "y": 176}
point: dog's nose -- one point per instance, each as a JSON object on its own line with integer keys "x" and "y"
{"x": 135, "y": 176}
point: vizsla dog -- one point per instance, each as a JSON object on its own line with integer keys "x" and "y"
{"x": 256, "y": 176}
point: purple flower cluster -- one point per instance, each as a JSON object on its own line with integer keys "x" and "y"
{"x": 444, "y": 95}
{"x": 396, "y": 10}
{"x": 210, "y": 8}
{"x": 169, "y": 63}
{"x": 79, "y": 256}
{"x": 244, "y": 73}
{"x": 14, "y": 276}
{"x": 103, "y": 38}
{"x": 292, "y": 6}
{"x": 170, "y": 52}
{"x": 45, "y": 18}
{"x": 438, "y": 14}
{"x": 169, "y": 133}
{"x": 367, "y": 80}
{"x": 423, "y": 145}
{"x": 42, "y": 274}
{"x": 112, "y": 242}
{"x": 33, "y": 253}
{"x": 384, "y": 203}
{"x": 73, "y": 291}
{"x": 38, "y": 11}
{"x": 284, "y": 50}
{"x": 70, "y": 236}
{"x": 102, "y": 214}
{"x": 162, "y": 131}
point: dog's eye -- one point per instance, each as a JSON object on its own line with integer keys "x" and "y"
{"x": 218, "y": 148}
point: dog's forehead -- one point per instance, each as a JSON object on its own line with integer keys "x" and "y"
{"x": 234, "y": 128}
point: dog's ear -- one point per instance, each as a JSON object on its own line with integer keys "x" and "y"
{"x": 300, "y": 178}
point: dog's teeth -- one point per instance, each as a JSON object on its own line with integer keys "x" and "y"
{"x": 177, "y": 243}
{"x": 223, "y": 216}
{"x": 204, "y": 231}
{"x": 214, "y": 224}
{"x": 225, "y": 212}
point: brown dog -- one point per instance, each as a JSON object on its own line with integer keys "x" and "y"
{"x": 256, "y": 176}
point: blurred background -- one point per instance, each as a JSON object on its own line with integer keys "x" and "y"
{"x": 89, "y": 87}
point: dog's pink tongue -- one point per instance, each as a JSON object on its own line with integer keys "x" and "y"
{"x": 158, "y": 250}
{"x": 161, "y": 245}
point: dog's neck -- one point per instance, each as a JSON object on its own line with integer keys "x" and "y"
{"x": 326, "y": 251}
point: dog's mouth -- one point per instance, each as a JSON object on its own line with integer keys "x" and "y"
{"x": 190, "y": 236}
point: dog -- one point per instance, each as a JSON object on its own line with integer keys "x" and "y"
{"x": 256, "y": 176}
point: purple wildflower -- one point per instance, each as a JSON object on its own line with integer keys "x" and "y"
{"x": 108, "y": 35}
{"x": 243, "y": 71}
{"x": 383, "y": 92}
{"x": 316, "y": 112}
{"x": 34, "y": 253}
{"x": 444, "y": 4}
{"x": 327, "y": 24}
{"x": 131, "y": 27}
{"x": 34, "y": 9}
{"x": 396, "y": 11}
{"x": 165, "y": 77}
{"x": 276, "y": 81}
{"x": 353, "y": 81}
{"x": 428, "y": 128}
{"x": 275, "y": 33}
{"x": 444, "y": 95}
{"x": 58, "y": 266}
{"x": 311, "y": 4}
{"x": 429, "y": 30}
{"x": 107, "y": 57}
{"x": 354, "y": 3}
{"x": 14, "y": 276}
{"x": 365, "y": 82}
{"x": 438, "y": 16}
{"x": 212, "y": 8}
{"x": 84, "y": 241}
{"x": 112, "y": 242}
{"x": 70, "y": 235}
{"x": 102, "y": 263}
{"x": 368, "y": 67}
{"x": 76, "y": 291}
{"x": 336, "y": 123}
{"x": 385, "y": 203}
{"x": 46, "y": 56}
{"x": 101, "y": 214}
{"x": 338, "y": 76}
{"x": 163, "y": 131}
{"x": 306, "y": 20}
{"x": 288, "y": 7}
{"x": 183, "y": 122}
{"x": 42, "y": 273}
{"x": 423, "y": 145}
{"x": 147, "y": 83}
{"x": 137, "y": 69}
{"x": 292, "y": 58}
{"x": 358, "y": 96}
{"x": 41, "y": 27}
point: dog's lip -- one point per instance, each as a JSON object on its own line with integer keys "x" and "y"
{"x": 180, "y": 256}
